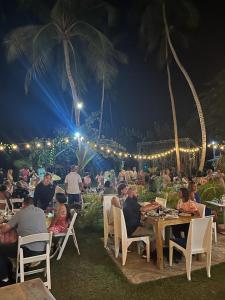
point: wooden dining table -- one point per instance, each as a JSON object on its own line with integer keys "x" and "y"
{"x": 160, "y": 223}
{"x": 28, "y": 290}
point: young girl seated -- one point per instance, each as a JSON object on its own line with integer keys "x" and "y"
{"x": 62, "y": 218}
{"x": 185, "y": 205}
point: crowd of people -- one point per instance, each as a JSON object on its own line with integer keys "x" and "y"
{"x": 42, "y": 195}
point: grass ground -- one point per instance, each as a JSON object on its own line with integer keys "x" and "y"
{"x": 93, "y": 275}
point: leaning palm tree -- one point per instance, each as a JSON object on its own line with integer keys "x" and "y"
{"x": 180, "y": 12}
{"x": 68, "y": 40}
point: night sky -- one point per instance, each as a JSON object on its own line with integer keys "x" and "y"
{"x": 139, "y": 95}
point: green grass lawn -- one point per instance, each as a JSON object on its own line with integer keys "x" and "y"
{"x": 93, "y": 275}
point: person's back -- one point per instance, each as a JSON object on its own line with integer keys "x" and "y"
{"x": 30, "y": 220}
{"x": 73, "y": 179}
{"x": 132, "y": 214}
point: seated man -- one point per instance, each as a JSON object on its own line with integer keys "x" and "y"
{"x": 132, "y": 213}
{"x": 29, "y": 220}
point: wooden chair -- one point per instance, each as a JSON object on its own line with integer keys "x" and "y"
{"x": 120, "y": 235}
{"x": 21, "y": 260}
{"x": 64, "y": 236}
{"x": 199, "y": 240}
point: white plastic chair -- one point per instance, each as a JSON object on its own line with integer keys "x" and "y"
{"x": 21, "y": 260}
{"x": 4, "y": 202}
{"x": 161, "y": 201}
{"x": 64, "y": 236}
{"x": 13, "y": 201}
{"x": 199, "y": 240}
{"x": 201, "y": 208}
{"x": 108, "y": 228}
{"x": 120, "y": 234}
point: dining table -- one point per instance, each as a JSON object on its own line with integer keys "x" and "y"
{"x": 159, "y": 224}
{"x": 28, "y": 290}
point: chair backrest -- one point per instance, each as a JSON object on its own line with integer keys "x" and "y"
{"x": 120, "y": 229}
{"x": 200, "y": 234}
{"x": 14, "y": 201}
{"x": 107, "y": 202}
{"x": 74, "y": 216}
{"x": 38, "y": 237}
{"x": 201, "y": 209}
{"x": 161, "y": 201}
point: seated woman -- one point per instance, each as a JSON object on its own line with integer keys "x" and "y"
{"x": 62, "y": 218}
{"x": 186, "y": 205}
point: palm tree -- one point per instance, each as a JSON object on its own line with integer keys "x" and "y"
{"x": 68, "y": 40}
{"x": 157, "y": 33}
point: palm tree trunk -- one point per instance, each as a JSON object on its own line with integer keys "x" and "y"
{"x": 194, "y": 93}
{"x": 174, "y": 113}
{"x": 71, "y": 82}
{"x": 102, "y": 106}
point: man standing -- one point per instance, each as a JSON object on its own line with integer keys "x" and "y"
{"x": 73, "y": 186}
{"x": 44, "y": 192}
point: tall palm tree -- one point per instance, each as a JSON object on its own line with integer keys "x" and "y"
{"x": 157, "y": 34}
{"x": 191, "y": 85}
{"x": 69, "y": 41}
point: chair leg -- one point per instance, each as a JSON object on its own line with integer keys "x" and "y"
{"x": 62, "y": 247}
{"x": 148, "y": 251}
{"x": 188, "y": 266}
{"x": 215, "y": 233}
{"x": 124, "y": 254}
{"x": 208, "y": 264}
{"x": 117, "y": 246}
{"x": 48, "y": 273}
{"x": 75, "y": 242}
{"x": 21, "y": 270}
{"x": 106, "y": 235}
{"x": 170, "y": 255}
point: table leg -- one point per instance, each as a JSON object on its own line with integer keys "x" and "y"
{"x": 159, "y": 246}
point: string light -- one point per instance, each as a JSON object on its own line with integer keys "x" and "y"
{"x": 108, "y": 150}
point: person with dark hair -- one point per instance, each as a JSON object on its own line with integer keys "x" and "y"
{"x": 184, "y": 205}
{"x": 122, "y": 193}
{"x": 29, "y": 220}
{"x": 108, "y": 189}
{"x": 44, "y": 192}
{"x": 62, "y": 217}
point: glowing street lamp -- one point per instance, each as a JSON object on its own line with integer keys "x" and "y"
{"x": 77, "y": 135}
{"x": 79, "y": 105}
{"x": 27, "y": 146}
{"x": 49, "y": 144}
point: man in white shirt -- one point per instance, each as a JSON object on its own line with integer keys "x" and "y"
{"x": 73, "y": 186}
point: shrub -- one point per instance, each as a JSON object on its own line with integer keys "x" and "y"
{"x": 210, "y": 191}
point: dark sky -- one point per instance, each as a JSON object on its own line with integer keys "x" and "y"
{"x": 139, "y": 95}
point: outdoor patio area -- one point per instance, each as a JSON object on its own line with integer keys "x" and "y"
{"x": 137, "y": 270}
